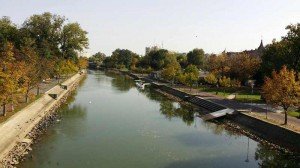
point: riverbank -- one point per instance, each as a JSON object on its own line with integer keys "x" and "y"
{"x": 274, "y": 132}
{"x": 19, "y": 132}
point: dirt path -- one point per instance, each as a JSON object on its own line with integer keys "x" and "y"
{"x": 19, "y": 125}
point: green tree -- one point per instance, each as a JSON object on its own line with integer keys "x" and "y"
{"x": 191, "y": 75}
{"x": 182, "y": 60}
{"x": 46, "y": 29}
{"x": 284, "y": 52}
{"x": 282, "y": 89}
{"x": 97, "y": 58}
{"x": 73, "y": 40}
{"x": 123, "y": 57}
{"x": 8, "y": 31}
{"x": 196, "y": 57}
{"x": 156, "y": 59}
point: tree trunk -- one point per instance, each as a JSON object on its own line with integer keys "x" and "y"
{"x": 38, "y": 90}
{"x": 3, "y": 109}
{"x": 12, "y": 106}
{"x": 285, "y": 116}
{"x": 26, "y": 96}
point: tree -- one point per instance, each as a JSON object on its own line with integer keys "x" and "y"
{"x": 225, "y": 82}
{"x": 73, "y": 40}
{"x": 190, "y": 75}
{"x": 284, "y": 52}
{"x": 219, "y": 64}
{"x": 282, "y": 89}
{"x": 46, "y": 29}
{"x": 196, "y": 57}
{"x": 65, "y": 67}
{"x": 123, "y": 57}
{"x": 182, "y": 60}
{"x": 211, "y": 79}
{"x": 10, "y": 75}
{"x": 156, "y": 59}
{"x": 8, "y": 31}
{"x": 171, "y": 71}
{"x": 243, "y": 66}
{"x": 97, "y": 59}
{"x": 82, "y": 63}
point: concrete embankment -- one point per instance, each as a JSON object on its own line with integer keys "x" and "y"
{"x": 265, "y": 130}
{"x": 18, "y": 132}
{"x": 271, "y": 132}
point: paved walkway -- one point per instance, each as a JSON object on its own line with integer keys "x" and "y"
{"x": 276, "y": 118}
{"x": 20, "y": 124}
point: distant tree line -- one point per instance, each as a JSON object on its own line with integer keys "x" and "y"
{"x": 221, "y": 70}
{"x": 44, "y": 46}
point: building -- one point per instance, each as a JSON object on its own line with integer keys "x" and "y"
{"x": 256, "y": 52}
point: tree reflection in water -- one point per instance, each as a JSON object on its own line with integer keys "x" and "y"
{"x": 273, "y": 158}
{"x": 121, "y": 82}
{"x": 264, "y": 155}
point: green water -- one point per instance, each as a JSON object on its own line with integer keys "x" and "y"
{"x": 109, "y": 123}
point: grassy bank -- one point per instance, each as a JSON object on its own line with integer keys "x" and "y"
{"x": 243, "y": 94}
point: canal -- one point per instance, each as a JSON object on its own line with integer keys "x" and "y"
{"x": 109, "y": 123}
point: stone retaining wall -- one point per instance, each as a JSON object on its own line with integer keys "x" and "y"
{"x": 12, "y": 151}
{"x": 268, "y": 131}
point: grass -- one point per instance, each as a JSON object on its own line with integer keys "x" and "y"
{"x": 243, "y": 94}
{"x": 294, "y": 114}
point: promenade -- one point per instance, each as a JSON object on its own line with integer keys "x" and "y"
{"x": 248, "y": 109}
{"x": 15, "y": 129}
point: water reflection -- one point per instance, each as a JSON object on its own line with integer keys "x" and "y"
{"x": 272, "y": 158}
{"x": 121, "y": 82}
{"x": 265, "y": 156}
{"x": 158, "y": 133}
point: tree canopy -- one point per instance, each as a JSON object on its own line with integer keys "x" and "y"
{"x": 282, "y": 89}
{"x": 196, "y": 57}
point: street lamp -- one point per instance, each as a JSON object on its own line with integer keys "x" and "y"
{"x": 252, "y": 83}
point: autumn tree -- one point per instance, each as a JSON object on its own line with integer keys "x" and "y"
{"x": 219, "y": 64}
{"x": 225, "y": 82}
{"x": 171, "y": 71}
{"x": 82, "y": 63}
{"x": 282, "y": 89}
{"x": 243, "y": 66}
{"x": 10, "y": 75}
{"x": 211, "y": 79}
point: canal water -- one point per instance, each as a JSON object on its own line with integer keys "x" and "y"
{"x": 109, "y": 123}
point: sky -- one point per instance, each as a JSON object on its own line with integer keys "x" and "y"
{"x": 177, "y": 25}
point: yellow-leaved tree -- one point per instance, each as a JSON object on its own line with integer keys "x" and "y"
{"x": 10, "y": 76}
{"x": 171, "y": 71}
{"x": 282, "y": 89}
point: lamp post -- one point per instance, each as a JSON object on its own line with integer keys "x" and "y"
{"x": 252, "y": 83}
